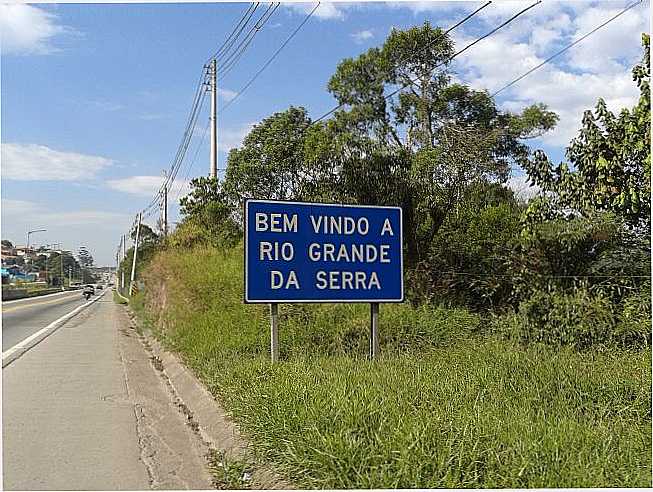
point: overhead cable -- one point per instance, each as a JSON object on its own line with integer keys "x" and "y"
{"x": 230, "y": 60}
{"x": 247, "y": 15}
{"x": 462, "y": 21}
{"x": 192, "y": 161}
{"x": 634, "y": 4}
{"x": 271, "y": 59}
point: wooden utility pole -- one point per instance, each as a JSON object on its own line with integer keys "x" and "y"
{"x": 138, "y": 232}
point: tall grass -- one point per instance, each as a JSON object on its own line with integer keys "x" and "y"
{"x": 445, "y": 406}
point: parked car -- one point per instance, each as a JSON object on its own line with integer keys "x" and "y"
{"x": 99, "y": 286}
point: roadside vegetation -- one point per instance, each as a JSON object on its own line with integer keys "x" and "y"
{"x": 522, "y": 357}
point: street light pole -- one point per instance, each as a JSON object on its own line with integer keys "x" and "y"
{"x": 29, "y": 233}
{"x": 32, "y": 232}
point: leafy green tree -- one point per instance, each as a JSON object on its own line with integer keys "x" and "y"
{"x": 84, "y": 257}
{"x": 423, "y": 144}
{"x": 58, "y": 273}
{"x": 209, "y": 217}
{"x": 469, "y": 259}
{"x": 610, "y": 161}
{"x": 271, "y": 162}
{"x": 147, "y": 235}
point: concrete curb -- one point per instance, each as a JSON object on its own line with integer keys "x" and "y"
{"x": 11, "y": 302}
{"x": 213, "y": 425}
{"x": 20, "y": 348}
{"x": 120, "y": 295}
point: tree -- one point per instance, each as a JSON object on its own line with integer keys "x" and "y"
{"x": 58, "y": 272}
{"x": 7, "y": 244}
{"x": 610, "y": 161}
{"x": 208, "y": 216}
{"x": 270, "y": 164}
{"x": 424, "y": 146}
{"x": 146, "y": 235}
{"x": 85, "y": 258}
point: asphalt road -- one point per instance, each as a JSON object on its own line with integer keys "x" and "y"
{"x": 85, "y": 409}
{"x": 24, "y": 317}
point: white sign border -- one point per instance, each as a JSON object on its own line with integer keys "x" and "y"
{"x": 324, "y": 301}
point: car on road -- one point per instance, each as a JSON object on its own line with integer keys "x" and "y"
{"x": 90, "y": 288}
{"x": 99, "y": 286}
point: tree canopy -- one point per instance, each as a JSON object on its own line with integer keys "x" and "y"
{"x": 609, "y": 160}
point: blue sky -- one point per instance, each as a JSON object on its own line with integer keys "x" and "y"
{"x": 95, "y": 97}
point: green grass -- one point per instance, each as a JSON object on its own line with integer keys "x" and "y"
{"x": 445, "y": 406}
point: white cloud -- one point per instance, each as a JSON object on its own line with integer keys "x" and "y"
{"x": 226, "y": 94}
{"x": 230, "y": 138}
{"x": 425, "y": 6}
{"x": 71, "y": 228}
{"x": 35, "y": 213}
{"x": 25, "y": 29}
{"x": 142, "y": 185}
{"x": 605, "y": 50}
{"x": 152, "y": 116}
{"x": 106, "y": 105}
{"x": 362, "y": 36}
{"x": 326, "y": 10}
{"x": 522, "y": 189}
{"x": 599, "y": 66}
{"x": 32, "y": 162}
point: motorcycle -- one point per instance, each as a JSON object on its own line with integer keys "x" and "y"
{"x": 88, "y": 292}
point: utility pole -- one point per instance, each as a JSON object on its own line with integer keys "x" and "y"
{"x": 122, "y": 270}
{"x": 61, "y": 261}
{"x": 213, "y": 84}
{"x": 164, "y": 205}
{"x": 138, "y": 232}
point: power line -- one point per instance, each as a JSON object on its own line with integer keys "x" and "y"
{"x": 498, "y": 275}
{"x": 192, "y": 162}
{"x": 235, "y": 56}
{"x": 231, "y": 43}
{"x": 198, "y": 100}
{"x": 505, "y": 23}
{"x": 566, "y": 48}
{"x": 246, "y": 86}
{"x": 231, "y": 39}
{"x": 183, "y": 146}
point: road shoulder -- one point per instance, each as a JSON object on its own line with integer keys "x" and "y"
{"x": 174, "y": 456}
{"x": 228, "y": 449}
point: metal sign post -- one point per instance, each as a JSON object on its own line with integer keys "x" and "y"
{"x": 274, "y": 331}
{"x": 374, "y": 330}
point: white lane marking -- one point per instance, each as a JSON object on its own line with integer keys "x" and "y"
{"x": 20, "y": 348}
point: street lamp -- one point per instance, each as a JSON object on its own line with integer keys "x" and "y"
{"x": 27, "y": 247}
{"x": 32, "y": 232}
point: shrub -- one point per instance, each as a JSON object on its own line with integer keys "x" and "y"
{"x": 576, "y": 319}
{"x": 634, "y": 326}
{"x": 580, "y": 319}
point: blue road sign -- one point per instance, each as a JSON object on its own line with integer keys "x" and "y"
{"x": 317, "y": 252}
